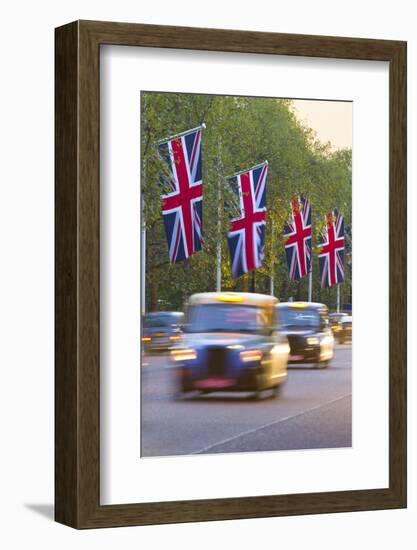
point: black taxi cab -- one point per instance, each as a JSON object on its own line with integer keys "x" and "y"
{"x": 306, "y": 326}
{"x": 229, "y": 344}
{"x": 335, "y": 322}
{"x": 345, "y": 333}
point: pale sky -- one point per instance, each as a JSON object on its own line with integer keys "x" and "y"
{"x": 331, "y": 120}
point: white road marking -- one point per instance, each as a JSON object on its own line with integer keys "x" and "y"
{"x": 253, "y": 430}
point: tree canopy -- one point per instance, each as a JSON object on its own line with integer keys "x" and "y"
{"x": 240, "y": 133}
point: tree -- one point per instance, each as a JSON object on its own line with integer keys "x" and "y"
{"x": 240, "y": 132}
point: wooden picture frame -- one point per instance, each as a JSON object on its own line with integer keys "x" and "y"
{"x": 77, "y": 373}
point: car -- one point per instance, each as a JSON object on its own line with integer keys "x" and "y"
{"x": 161, "y": 330}
{"x": 229, "y": 344}
{"x": 335, "y": 320}
{"x": 345, "y": 333}
{"x": 306, "y": 326}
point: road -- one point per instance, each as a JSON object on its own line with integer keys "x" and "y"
{"x": 313, "y": 411}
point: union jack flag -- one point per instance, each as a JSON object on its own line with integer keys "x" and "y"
{"x": 246, "y": 237}
{"x": 297, "y": 234}
{"x": 182, "y": 203}
{"x": 331, "y": 255}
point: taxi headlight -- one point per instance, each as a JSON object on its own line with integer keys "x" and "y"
{"x": 280, "y": 348}
{"x": 328, "y": 340}
{"x": 251, "y": 355}
{"x": 312, "y": 340}
{"x": 185, "y": 354}
{"x": 175, "y": 337}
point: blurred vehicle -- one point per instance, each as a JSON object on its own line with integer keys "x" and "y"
{"x": 306, "y": 326}
{"x": 345, "y": 333}
{"x": 229, "y": 345}
{"x": 161, "y": 330}
{"x": 335, "y": 320}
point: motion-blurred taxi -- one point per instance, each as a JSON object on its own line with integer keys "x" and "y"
{"x": 161, "y": 330}
{"x": 229, "y": 345}
{"x": 345, "y": 333}
{"x": 335, "y": 322}
{"x": 306, "y": 326}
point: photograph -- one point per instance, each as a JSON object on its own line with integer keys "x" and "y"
{"x": 246, "y": 274}
{"x": 183, "y": 194}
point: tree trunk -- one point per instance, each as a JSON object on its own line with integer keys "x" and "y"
{"x": 245, "y": 283}
{"x": 253, "y": 281}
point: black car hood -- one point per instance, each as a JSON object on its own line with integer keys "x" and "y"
{"x": 214, "y": 339}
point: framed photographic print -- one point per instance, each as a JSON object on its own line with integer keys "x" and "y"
{"x": 227, "y": 202}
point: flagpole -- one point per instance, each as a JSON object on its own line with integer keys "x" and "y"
{"x": 271, "y": 277}
{"x": 219, "y": 222}
{"x": 181, "y": 134}
{"x": 143, "y": 258}
{"x": 219, "y": 243}
{"x": 247, "y": 169}
{"x": 143, "y": 245}
{"x": 310, "y": 284}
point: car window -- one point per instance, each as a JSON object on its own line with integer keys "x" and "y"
{"x": 299, "y": 317}
{"x": 227, "y": 317}
{"x": 162, "y": 320}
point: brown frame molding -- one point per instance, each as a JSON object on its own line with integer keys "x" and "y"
{"x": 77, "y": 274}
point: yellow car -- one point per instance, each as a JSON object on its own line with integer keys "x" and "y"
{"x": 229, "y": 344}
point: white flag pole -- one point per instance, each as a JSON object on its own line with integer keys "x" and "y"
{"x": 271, "y": 278}
{"x": 143, "y": 244}
{"x": 219, "y": 222}
{"x": 143, "y": 260}
{"x": 181, "y": 134}
{"x": 310, "y": 284}
{"x": 219, "y": 242}
{"x": 248, "y": 169}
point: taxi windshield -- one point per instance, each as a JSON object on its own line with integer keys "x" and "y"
{"x": 227, "y": 318}
{"x": 290, "y": 317}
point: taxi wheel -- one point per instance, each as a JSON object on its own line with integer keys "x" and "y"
{"x": 277, "y": 390}
{"x": 256, "y": 395}
{"x": 182, "y": 392}
{"x": 323, "y": 364}
{"x": 180, "y": 395}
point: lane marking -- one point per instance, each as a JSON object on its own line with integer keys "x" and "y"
{"x": 253, "y": 430}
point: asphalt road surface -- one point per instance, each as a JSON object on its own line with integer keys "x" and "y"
{"x": 313, "y": 411}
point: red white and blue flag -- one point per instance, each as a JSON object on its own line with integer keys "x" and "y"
{"x": 297, "y": 234}
{"x": 182, "y": 203}
{"x": 331, "y": 255}
{"x": 246, "y": 236}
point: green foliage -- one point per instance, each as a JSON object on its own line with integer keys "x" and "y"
{"x": 240, "y": 132}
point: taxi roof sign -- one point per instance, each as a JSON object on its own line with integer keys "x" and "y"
{"x": 304, "y": 305}
{"x": 230, "y": 297}
{"x": 248, "y": 298}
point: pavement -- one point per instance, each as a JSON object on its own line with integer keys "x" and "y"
{"x": 314, "y": 411}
